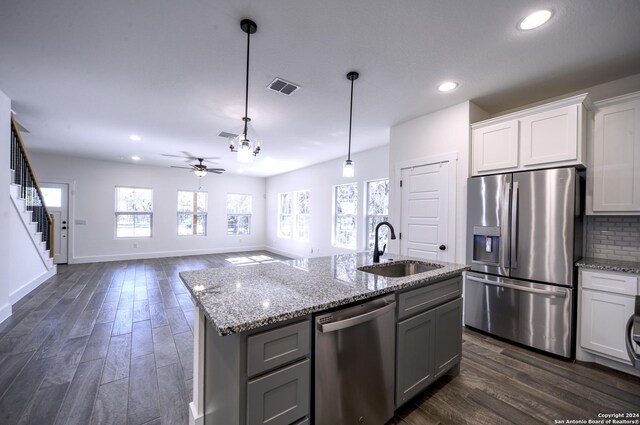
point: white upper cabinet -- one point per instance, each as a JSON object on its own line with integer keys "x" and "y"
{"x": 546, "y": 136}
{"x": 550, "y": 136}
{"x": 495, "y": 147}
{"x": 615, "y": 175}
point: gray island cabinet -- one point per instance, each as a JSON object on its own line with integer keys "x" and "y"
{"x": 253, "y": 334}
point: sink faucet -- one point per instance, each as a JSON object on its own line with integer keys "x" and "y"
{"x": 376, "y": 252}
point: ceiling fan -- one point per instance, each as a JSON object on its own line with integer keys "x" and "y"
{"x": 200, "y": 169}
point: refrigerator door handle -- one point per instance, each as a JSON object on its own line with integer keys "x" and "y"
{"x": 557, "y": 292}
{"x": 514, "y": 226}
{"x": 504, "y": 229}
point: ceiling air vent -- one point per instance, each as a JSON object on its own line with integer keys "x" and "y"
{"x": 227, "y": 135}
{"x": 284, "y": 87}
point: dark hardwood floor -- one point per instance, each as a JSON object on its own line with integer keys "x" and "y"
{"x": 111, "y": 343}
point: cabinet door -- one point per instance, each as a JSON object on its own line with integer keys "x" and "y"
{"x": 550, "y": 136}
{"x": 281, "y": 397}
{"x": 448, "y": 346}
{"x": 415, "y": 356}
{"x": 603, "y": 321}
{"x": 616, "y": 158}
{"x": 495, "y": 147}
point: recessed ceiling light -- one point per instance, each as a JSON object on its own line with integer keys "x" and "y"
{"x": 135, "y": 158}
{"x": 447, "y": 86}
{"x": 135, "y": 138}
{"x": 534, "y": 20}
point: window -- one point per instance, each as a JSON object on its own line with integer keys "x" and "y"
{"x": 302, "y": 216}
{"x": 284, "y": 215}
{"x": 192, "y": 213}
{"x": 293, "y": 215}
{"x": 345, "y": 199}
{"x": 52, "y": 196}
{"x": 134, "y": 212}
{"x": 377, "y": 211}
{"x": 238, "y": 214}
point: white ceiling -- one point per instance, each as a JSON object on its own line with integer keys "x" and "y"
{"x": 84, "y": 75}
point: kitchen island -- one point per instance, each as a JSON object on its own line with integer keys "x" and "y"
{"x": 253, "y": 327}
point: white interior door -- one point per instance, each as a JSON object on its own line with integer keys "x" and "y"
{"x": 56, "y": 198}
{"x": 425, "y": 212}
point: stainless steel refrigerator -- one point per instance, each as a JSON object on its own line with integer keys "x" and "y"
{"x": 525, "y": 235}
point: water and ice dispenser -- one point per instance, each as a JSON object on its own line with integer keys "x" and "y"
{"x": 486, "y": 245}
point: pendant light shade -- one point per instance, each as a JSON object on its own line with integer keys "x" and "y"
{"x": 246, "y": 144}
{"x": 348, "y": 169}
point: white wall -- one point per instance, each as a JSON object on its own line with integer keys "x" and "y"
{"x": 5, "y": 249}
{"x": 92, "y": 198}
{"x": 320, "y": 179}
{"x": 441, "y": 133}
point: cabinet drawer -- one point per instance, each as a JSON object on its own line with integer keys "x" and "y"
{"x": 418, "y": 300}
{"x": 620, "y": 283}
{"x": 281, "y": 397}
{"x": 270, "y": 349}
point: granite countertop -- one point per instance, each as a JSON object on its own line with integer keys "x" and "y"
{"x": 237, "y": 299}
{"x": 609, "y": 265}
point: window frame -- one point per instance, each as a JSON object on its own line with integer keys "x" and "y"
{"x": 369, "y": 234}
{"x": 118, "y": 213}
{"x": 281, "y": 215}
{"x": 297, "y": 215}
{"x": 194, "y": 213}
{"x": 336, "y": 217}
{"x": 294, "y": 215}
{"x": 238, "y": 215}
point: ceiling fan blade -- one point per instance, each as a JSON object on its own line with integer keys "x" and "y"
{"x": 172, "y": 156}
{"x": 185, "y": 168}
{"x": 213, "y": 170}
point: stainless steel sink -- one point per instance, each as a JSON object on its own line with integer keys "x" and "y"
{"x": 399, "y": 268}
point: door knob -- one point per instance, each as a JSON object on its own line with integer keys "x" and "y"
{"x": 442, "y": 247}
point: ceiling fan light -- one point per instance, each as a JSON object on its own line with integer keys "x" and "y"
{"x": 348, "y": 169}
{"x": 200, "y": 173}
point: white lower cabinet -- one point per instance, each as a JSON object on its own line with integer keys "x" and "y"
{"x": 604, "y": 318}
{"x": 607, "y": 303}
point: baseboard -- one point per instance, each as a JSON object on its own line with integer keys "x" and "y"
{"x": 5, "y": 312}
{"x": 17, "y": 295}
{"x": 161, "y": 254}
{"x": 282, "y": 252}
{"x": 194, "y": 418}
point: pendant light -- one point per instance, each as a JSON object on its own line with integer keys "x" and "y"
{"x": 243, "y": 143}
{"x": 347, "y": 168}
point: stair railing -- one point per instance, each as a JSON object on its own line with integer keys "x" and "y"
{"x": 29, "y": 188}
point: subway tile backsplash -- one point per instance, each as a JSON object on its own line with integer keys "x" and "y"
{"x": 613, "y": 237}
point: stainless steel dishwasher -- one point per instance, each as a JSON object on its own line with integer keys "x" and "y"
{"x": 355, "y": 363}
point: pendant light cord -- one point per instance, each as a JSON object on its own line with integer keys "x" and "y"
{"x": 350, "y": 119}
{"x": 246, "y": 87}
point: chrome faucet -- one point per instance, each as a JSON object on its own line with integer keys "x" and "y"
{"x": 376, "y": 252}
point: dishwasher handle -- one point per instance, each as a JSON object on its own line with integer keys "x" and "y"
{"x": 356, "y": 320}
